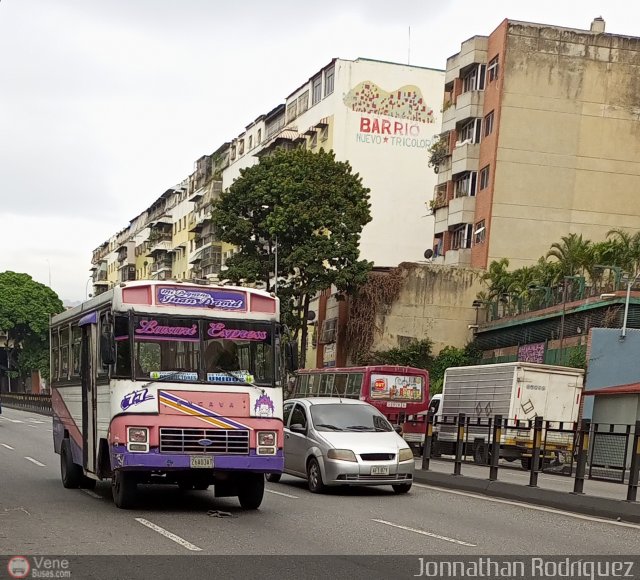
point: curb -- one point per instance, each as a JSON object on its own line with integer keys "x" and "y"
{"x": 590, "y": 505}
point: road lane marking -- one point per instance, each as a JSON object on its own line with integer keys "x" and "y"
{"x": 35, "y": 461}
{"x": 14, "y": 420}
{"x": 530, "y": 506}
{"x": 36, "y": 421}
{"x": 91, "y": 493}
{"x": 34, "y": 426}
{"x": 7, "y": 446}
{"x": 167, "y": 534}
{"x": 425, "y": 533}
{"x": 282, "y": 494}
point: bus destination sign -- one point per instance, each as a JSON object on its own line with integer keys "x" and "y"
{"x": 202, "y": 298}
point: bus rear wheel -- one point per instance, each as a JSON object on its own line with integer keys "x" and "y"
{"x": 70, "y": 473}
{"x": 251, "y": 491}
{"x": 123, "y": 488}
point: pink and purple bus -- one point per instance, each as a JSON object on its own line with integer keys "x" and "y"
{"x": 169, "y": 382}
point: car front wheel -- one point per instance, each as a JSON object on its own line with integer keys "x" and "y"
{"x": 314, "y": 476}
{"x": 401, "y": 488}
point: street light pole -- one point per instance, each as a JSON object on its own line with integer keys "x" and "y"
{"x": 623, "y": 334}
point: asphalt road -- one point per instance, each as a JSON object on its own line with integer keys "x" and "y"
{"x": 37, "y": 515}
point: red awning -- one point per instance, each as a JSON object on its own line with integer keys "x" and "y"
{"x": 631, "y": 389}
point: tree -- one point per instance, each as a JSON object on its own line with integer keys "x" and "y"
{"x": 572, "y": 252}
{"x": 417, "y": 354}
{"x": 448, "y": 357}
{"x": 627, "y": 246}
{"x": 314, "y": 208}
{"x": 25, "y": 309}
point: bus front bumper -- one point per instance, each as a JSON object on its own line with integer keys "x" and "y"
{"x": 153, "y": 460}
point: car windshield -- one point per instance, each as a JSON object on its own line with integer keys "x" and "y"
{"x": 346, "y": 417}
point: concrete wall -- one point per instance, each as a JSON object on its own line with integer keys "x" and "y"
{"x": 618, "y": 409}
{"x": 568, "y": 157}
{"x": 612, "y": 362}
{"x": 435, "y": 303}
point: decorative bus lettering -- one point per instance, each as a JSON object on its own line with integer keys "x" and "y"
{"x": 152, "y": 327}
{"x": 219, "y": 330}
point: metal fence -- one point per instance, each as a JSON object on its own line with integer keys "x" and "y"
{"x": 27, "y": 402}
{"x": 604, "y": 452}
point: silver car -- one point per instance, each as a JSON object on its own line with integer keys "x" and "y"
{"x": 331, "y": 441}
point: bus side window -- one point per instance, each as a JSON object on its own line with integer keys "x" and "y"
{"x": 354, "y": 385}
{"x": 340, "y": 385}
{"x": 314, "y": 382}
{"x": 76, "y": 344}
{"x": 64, "y": 353}
{"x": 104, "y": 329}
{"x": 302, "y": 385}
{"x": 55, "y": 354}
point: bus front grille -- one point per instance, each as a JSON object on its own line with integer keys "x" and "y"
{"x": 228, "y": 441}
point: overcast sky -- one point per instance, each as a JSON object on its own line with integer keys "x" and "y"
{"x": 105, "y": 104}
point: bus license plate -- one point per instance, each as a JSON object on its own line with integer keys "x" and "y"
{"x": 202, "y": 462}
{"x": 380, "y": 470}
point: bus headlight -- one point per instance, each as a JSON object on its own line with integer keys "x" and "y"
{"x": 267, "y": 438}
{"x": 138, "y": 435}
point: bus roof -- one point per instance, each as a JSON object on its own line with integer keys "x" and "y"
{"x": 140, "y": 295}
{"x": 383, "y": 369}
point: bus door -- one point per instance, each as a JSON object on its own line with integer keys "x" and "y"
{"x": 88, "y": 362}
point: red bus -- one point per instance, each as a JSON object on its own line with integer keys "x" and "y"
{"x": 397, "y": 392}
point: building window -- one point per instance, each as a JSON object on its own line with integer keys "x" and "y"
{"x": 292, "y": 111}
{"x": 480, "y": 233}
{"x": 317, "y": 90}
{"x": 241, "y": 147}
{"x": 474, "y": 79}
{"x": 488, "y": 124}
{"x": 313, "y": 142}
{"x": 329, "y": 77}
{"x": 303, "y": 102}
{"x": 259, "y": 139}
{"x": 470, "y": 132}
{"x": 465, "y": 185}
{"x": 324, "y": 134}
{"x": 233, "y": 153}
{"x": 484, "y": 177}
{"x": 492, "y": 69}
{"x": 328, "y": 334}
{"x": 250, "y": 141}
{"x": 461, "y": 237}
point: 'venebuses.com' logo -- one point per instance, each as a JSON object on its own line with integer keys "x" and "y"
{"x": 18, "y": 567}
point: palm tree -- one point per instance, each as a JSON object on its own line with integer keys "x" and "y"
{"x": 497, "y": 277}
{"x": 628, "y": 246}
{"x": 572, "y": 253}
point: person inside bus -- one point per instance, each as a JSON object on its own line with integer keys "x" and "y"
{"x": 221, "y": 357}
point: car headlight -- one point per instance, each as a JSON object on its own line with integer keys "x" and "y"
{"x": 138, "y": 435}
{"x": 341, "y": 454}
{"x": 405, "y": 455}
{"x": 267, "y": 438}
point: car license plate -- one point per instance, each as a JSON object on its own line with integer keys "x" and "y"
{"x": 380, "y": 470}
{"x": 201, "y": 462}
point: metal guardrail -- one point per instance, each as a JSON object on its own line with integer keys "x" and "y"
{"x": 27, "y": 402}
{"x": 597, "y": 451}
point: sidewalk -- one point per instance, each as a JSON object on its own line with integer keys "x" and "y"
{"x": 601, "y": 499}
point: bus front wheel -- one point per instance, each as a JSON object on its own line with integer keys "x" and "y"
{"x": 251, "y": 491}
{"x": 71, "y": 473}
{"x": 123, "y": 488}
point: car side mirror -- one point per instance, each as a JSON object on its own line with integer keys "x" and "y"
{"x": 398, "y": 429}
{"x": 107, "y": 350}
{"x": 298, "y": 428}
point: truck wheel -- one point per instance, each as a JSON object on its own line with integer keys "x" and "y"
{"x": 251, "y": 491}
{"x": 123, "y": 488}
{"x": 70, "y": 473}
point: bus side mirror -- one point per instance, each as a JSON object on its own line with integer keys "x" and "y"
{"x": 291, "y": 356}
{"x": 107, "y": 350}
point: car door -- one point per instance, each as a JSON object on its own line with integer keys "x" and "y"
{"x": 296, "y": 444}
{"x": 286, "y": 414}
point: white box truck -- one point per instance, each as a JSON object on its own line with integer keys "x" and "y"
{"x": 519, "y": 392}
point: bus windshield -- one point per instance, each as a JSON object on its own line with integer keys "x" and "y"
{"x": 193, "y": 349}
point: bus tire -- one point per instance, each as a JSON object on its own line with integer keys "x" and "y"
{"x": 400, "y": 488}
{"x": 70, "y": 473}
{"x": 273, "y": 477}
{"x": 251, "y": 491}
{"x": 314, "y": 476}
{"x": 123, "y": 488}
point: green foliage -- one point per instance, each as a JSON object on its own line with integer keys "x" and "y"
{"x": 25, "y": 309}
{"x": 417, "y": 354}
{"x": 450, "y": 356}
{"x": 438, "y": 150}
{"x": 315, "y": 207}
{"x": 578, "y": 358}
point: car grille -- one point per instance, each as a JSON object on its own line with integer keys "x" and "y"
{"x": 392, "y": 477}
{"x": 229, "y": 441}
{"x": 377, "y": 456}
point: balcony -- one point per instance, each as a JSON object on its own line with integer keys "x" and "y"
{"x": 465, "y": 158}
{"x": 472, "y": 51}
{"x": 449, "y": 118}
{"x": 161, "y": 266}
{"x": 461, "y": 211}
{"x": 159, "y": 243}
{"x": 469, "y": 105}
{"x": 197, "y": 194}
{"x": 461, "y": 257}
{"x": 441, "y": 217}
{"x": 100, "y": 278}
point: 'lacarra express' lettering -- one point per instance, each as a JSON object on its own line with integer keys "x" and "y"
{"x": 219, "y": 330}
{"x": 152, "y": 327}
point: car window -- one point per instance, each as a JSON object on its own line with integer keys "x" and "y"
{"x": 341, "y": 417}
{"x": 286, "y": 412}
{"x": 298, "y": 416}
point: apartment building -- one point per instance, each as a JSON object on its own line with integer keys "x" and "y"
{"x": 379, "y": 116}
{"x": 541, "y": 138}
